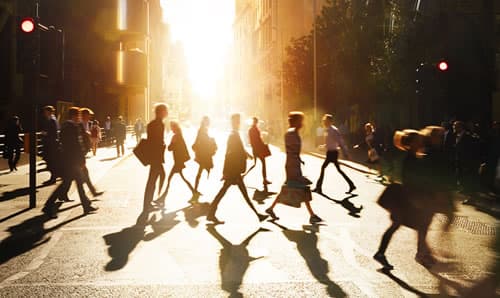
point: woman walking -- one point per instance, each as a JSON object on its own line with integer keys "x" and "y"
{"x": 260, "y": 150}
{"x": 13, "y": 142}
{"x": 95, "y": 136}
{"x": 181, "y": 156}
{"x": 294, "y": 177}
{"x": 204, "y": 149}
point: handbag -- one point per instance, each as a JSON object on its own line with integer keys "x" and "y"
{"x": 373, "y": 155}
{"x": 142, "y": 152}
{"x": 266, "y": 151}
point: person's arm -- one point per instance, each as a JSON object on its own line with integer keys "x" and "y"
{"x": 342, "y": 144}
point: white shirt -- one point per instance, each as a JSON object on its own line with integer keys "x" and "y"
{"x": 334, "y": 139}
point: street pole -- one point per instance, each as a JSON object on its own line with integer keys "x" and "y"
{"x": 315, "y": 69}
{"x": 34, "y": 109}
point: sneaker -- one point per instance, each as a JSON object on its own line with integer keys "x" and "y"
{"x": 315, "y": 219}
{"x": 380, "y": 257}
{"x": 90, "y": 209}
{"x": 262, "y": 217}
{"x": 272, "y": 214}
{"x": 98, "y": 193}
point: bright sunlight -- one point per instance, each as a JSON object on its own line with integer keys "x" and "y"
{"x": 204, "y": 28}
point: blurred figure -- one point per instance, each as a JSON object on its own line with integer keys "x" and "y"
{"x": 95, "y": 136}
{"x": 50, "y": 128}
{"x": 13, "y": 142}
{"x": 260, "y": 150}
{"x": 73, "y": 156}
{"x": 138, "y": 129}
{"x": 464, "y": 158}
{"x": 375, "y": 147}
{"x": 108, "y": 126}
{"x": 120, "y": 136}
{"x": 85, "y": 134}
{"x": 155, "y": 139}
{"x": 235, "y": 164}
{"x": 492, "y": 156}
{"x": 413, "y": 204}
{"x": 333, "y": 141}
{"x": 204, "y": 148}
{"x": 294, "y": 176}
{"x": 181, "y": 156}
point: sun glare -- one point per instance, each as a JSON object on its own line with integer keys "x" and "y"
{"x": 204, "y": 27}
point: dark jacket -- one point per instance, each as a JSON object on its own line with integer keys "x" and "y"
{"x": 156, "y": 132}
{"x": 120, "y": 130}
{"x": 72, "y": 147}
{"x": 235, "y": 162}
{"x": 204, "y": 148}
{"x": 179, "y": 149}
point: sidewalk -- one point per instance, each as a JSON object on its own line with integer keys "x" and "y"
{"x": 14, "y": 187}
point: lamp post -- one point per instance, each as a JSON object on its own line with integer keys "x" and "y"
{"x": 315, "y": 69}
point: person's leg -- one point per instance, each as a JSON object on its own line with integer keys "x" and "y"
{"x": 335, "y": 157}
{"x": 319, "y": 184}
{"x": 86, "y": 180}
{"x": 198, "y": 177}
{"x": 216, "y": 201}
{"x": 187, "y": 182}
{"x": 79, "y": 178}
{"x": 117, "y": 148}
{"x": 161, "y": 199}
{"x": 243, "y": 189}
{"x": 264, "y": 170}
{"x": 154, "y": 172}
{"x": 309, "y": 209}
{"x": 10, "y": 154}
{"x": 17, "y": 157}
{"x": 386, "y": 238}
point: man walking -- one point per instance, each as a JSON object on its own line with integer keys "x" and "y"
{"x": 333, "y": 141}
{"x": 138, "y": 129}
{"x": 156, "y": 145}
{"x": 120, "y": 135}
{"x": 73, "y": 157}
{"x": 235, "y": 164}
{"x": 50, "y": 142}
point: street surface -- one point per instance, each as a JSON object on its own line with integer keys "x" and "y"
{"x": 177, "y": 255}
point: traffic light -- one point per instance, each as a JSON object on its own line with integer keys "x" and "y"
{"x": 442, "y": 65}
{"x": 28, "y": 25}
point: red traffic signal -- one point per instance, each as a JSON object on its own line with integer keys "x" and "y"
{"x": 28, "y": 25}
{"x": 443, "y": 66}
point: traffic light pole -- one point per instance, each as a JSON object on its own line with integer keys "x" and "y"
{"x": 34, "y": 109}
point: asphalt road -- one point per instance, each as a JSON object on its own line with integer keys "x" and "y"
{"x": 177, "y": 255}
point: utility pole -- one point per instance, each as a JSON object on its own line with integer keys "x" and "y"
{"x": 34, "y": 108}
{"x": 315, "y": 68}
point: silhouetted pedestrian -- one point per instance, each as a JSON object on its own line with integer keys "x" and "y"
{"x": 108, "y": 126}
{"x": 50, "y": 128}
{"x": 73, "y": 157}
{"x": 294, "y": 177}
{"x": 120, "y": 135}
{"x": 181, "y": 156}
{"x": 333, "y": 141}
{"x": 156, "y": 144}
{"x": 138, "y": 129}
{"x": 235, "y": 164}
{"x": 13, "y": 142}
{"x": 204, "y": 148}
{"x": 95, "y": 136}
{"x": 86, "y": 121}
{"x": 260, "y": 150}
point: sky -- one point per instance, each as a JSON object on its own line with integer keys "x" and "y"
{"x": 204, "y": 27}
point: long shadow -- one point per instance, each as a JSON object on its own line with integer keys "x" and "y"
{"x": 9, "y": 195}
{"x": 193, "y": 212}
{"x": 29, "y": 235}
{"x": 348, "y": 205}
{"x": 14, "y": 214}
{"x": 307, "y": 245}
{"x": 123, "y": 243}
{"x": 403, "y": 284}
{"x": 234, "y": 261}
{"x": 261, "y": 195}
{"x": 108, "y": 159}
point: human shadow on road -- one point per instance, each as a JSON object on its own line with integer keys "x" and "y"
{"x": 234, "y": 261}
{"x": 261, "y": 195}
{"x": 307, "y": 245}
{"x": 9, "y": 195}
{"x": 123, "y": 243}
{"x": 195, "y": 211}
{"x": 29, "y": 235}
{"x": 347, "y": 204}
{"x": 403, "y": 284}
